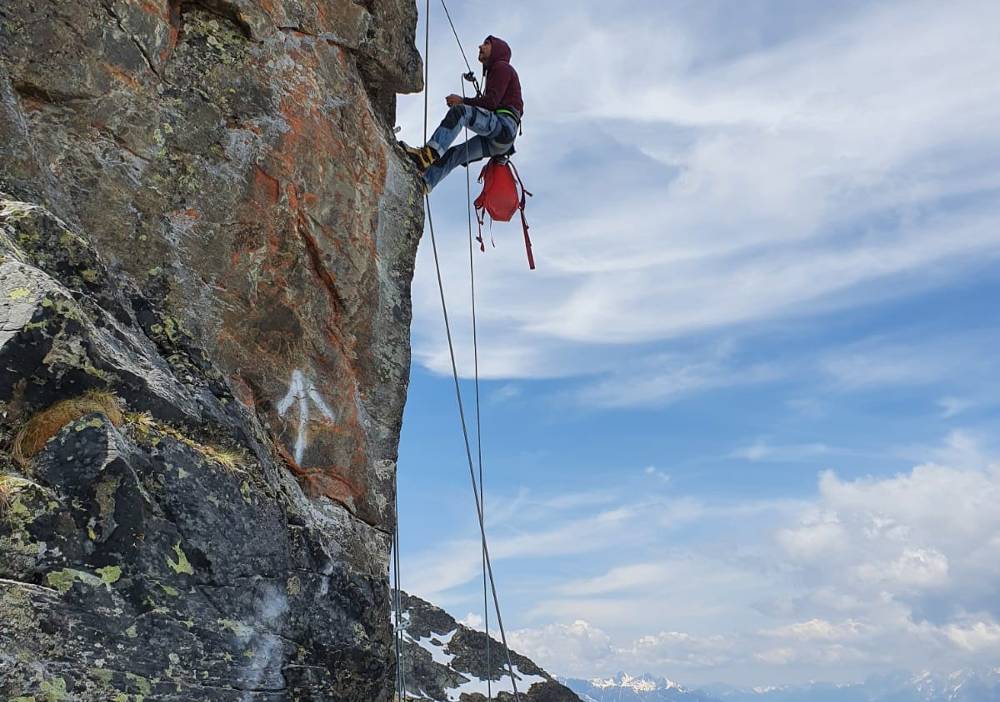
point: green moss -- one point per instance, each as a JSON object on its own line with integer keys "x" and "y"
{"x": 140, "y": 682}
{"x": 19, "y": 293}
{"x": 104, "y": 496}
{"x": 172, "y": 591}
{"x": 12, "y": 509}
{"x": 182, "y": 565}
{"x": 93, "y": 423}
{"x": 101, "y": 675}
{"x": 54, "y": 690}
{"x": 61, "y": 580}
{"x": 132, "y": 632}
{"x": 238, "y": 628}
{"x": 110, "y": 574}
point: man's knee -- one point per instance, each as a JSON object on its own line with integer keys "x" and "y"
{"x": 454, "y": 116}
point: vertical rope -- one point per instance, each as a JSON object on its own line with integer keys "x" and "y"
{"x": 454, "y": 367}
{"x": 479, "y": 431}
{"x": 427, "y": 62}
{"x": 400, "y": 673}
{"x": 397, "y": 606}
{"x": 468, "y": 451}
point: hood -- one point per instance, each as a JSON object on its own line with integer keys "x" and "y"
{"x": 499, "y": 53}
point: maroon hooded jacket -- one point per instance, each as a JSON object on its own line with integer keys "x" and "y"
{"x": 503, "y": 87}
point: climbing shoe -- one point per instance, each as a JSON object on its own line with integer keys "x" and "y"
{"x": 422, "y": 157}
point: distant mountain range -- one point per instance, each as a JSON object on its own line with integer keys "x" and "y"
{"x": 627, "y": 688}
{"x": 960, "y": 686}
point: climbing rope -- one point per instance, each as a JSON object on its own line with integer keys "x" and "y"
{"x": 457, "y": 39}
{"x": 468, "y": 452}
{"x": 478, "y": 487}
{"x": 398, "y": 616}
{"x": 475, "y": 357}
{"x": 477, "y": 490}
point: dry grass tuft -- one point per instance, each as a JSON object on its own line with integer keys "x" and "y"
{"x": 147, "y": 426}
{"x": 47, "y": 423}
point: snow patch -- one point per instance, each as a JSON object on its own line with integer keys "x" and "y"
{"x": 478, "y": 685}
{"x": 437, "y": 650}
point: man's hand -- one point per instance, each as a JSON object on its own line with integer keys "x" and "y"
{"x": 453, "y": 100}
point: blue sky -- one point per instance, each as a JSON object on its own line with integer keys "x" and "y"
{"x": 740, "y": 425}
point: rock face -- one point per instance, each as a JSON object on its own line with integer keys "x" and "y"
{"x": 445, "y": 661}
{"x": 206, "y": 244}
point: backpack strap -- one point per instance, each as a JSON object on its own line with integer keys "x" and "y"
{"x": 480, "y": 206}
{"x": 524, "y": 222}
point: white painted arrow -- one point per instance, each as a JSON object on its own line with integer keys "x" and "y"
{"x": 301, "y": 392}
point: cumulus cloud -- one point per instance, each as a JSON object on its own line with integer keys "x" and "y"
{"x": 927, "y": 537}
{"x": 976, "y": 636}
{"x": 871, "y": 573}
{"x": 578, "y": 648}
{"x": 672, "y": 649}
{"x": 819, "y": 630}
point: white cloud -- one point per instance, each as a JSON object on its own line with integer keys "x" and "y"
{"x": 580, "y": 648}
{"x": 717, "y": 187}
{"x": 819, "y": 630}
{"x": 506, "y": 392}
{"x": 654, "y": 472}
{"x": 872, "y": 573}
{"x": 954, "y": 406}
{"x": 617, "y": 580}
{"x": 669, "y": 649}
{"x": 664, "y": 378}
{"x": 577, "y": 648}
{"x": 762, "y": 450}
{"x": 473, "y": 621}
{"x": 976, "y": 636}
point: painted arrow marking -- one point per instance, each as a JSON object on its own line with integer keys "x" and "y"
{"x": 301, "y": 392}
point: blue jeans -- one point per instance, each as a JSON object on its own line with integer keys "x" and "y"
{"x": 495, "y": 136}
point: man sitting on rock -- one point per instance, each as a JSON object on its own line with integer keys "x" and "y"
{"x": 495, "y": 118}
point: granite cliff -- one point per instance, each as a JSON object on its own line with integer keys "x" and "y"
{"x": 206, "y": 245}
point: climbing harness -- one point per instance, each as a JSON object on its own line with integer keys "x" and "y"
{"x": 478, "y": 489}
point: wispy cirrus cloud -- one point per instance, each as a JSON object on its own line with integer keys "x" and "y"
{"x": 719, "y": 187}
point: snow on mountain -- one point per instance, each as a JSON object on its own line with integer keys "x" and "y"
{"x": 444, "y": 661}
{"x": 959, "y": 686}
{"x": 628, "y": 688}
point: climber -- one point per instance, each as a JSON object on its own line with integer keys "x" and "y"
{"x": 495, "y": 117}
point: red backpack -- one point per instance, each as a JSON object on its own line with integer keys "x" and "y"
{"x": 500, "y": 199}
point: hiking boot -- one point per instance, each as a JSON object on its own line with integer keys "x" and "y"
{"x": 422, "y": 157}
